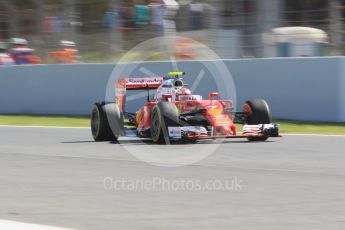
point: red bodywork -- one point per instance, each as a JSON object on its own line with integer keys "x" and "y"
{"x": 215, "y": 110}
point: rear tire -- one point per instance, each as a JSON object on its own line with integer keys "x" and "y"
{"x": 258, "y": 113}
{"x": 106, "y": 122}
{"x": 163, "y": 115}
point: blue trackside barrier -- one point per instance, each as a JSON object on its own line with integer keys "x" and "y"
{"x": 309, "y": 89}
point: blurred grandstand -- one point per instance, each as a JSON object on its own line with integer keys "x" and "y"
{"x": 103, "y": 30}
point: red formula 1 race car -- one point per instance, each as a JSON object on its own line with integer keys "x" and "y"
{"x": 176, "y": 115}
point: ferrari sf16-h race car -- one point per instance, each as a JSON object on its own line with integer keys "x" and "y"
{"x": 176, "y": 115}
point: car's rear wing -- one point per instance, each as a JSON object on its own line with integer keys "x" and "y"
{"x": 134, "y": 83}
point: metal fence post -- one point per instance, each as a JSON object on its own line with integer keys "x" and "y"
{"x": 335, "y": 27}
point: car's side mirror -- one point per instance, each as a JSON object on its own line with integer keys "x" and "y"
{"x": 213, "y": 95}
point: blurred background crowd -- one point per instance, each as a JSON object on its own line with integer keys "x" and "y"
{"x": 68, "y": 31}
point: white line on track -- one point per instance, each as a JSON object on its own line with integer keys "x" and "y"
{"x": 13, "y": 225}
{"x": 313, "y": 135}
{"x": 41, "y": 126}
{"x": 66, "y": 127}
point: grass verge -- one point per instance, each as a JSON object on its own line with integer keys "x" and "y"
{"x": 34, "y": 120}
{"x": 311, "y": 127}
{"x": 285, "y": 126}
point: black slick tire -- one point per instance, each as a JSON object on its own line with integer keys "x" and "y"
{"x": 106, "y": 124}
{"x": 163, "y": 115}
{"x": 258, "y": 113}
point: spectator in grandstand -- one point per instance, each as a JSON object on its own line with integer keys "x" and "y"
{"x": 196, "y": 15}
{"x": 47, "y": 25}
{"x": 126, "y": 16}
{"x": 157, "y": 15}
{"x": 5, "y": 58}
{"x": 66, "y": 54}
{"x": 21, "y": 53}
{"x": 53, "y": 24}
{"x": 110, "y": 19}
{"x": 142, "y": 13}
{"x": 169, "y": 22}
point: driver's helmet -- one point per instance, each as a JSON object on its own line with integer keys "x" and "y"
{"x": 183, "y": 91}
{"x": 183, "y": 94}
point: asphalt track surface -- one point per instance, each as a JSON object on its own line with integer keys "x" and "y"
{"x": 56, "y": 177}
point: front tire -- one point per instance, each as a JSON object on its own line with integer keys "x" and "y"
{"x": 258, "y": 112}
{"x": 105, "y": 122}
{"x": 163, "y": 115}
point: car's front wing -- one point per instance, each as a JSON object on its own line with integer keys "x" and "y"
{"x": 199, "y": 132}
